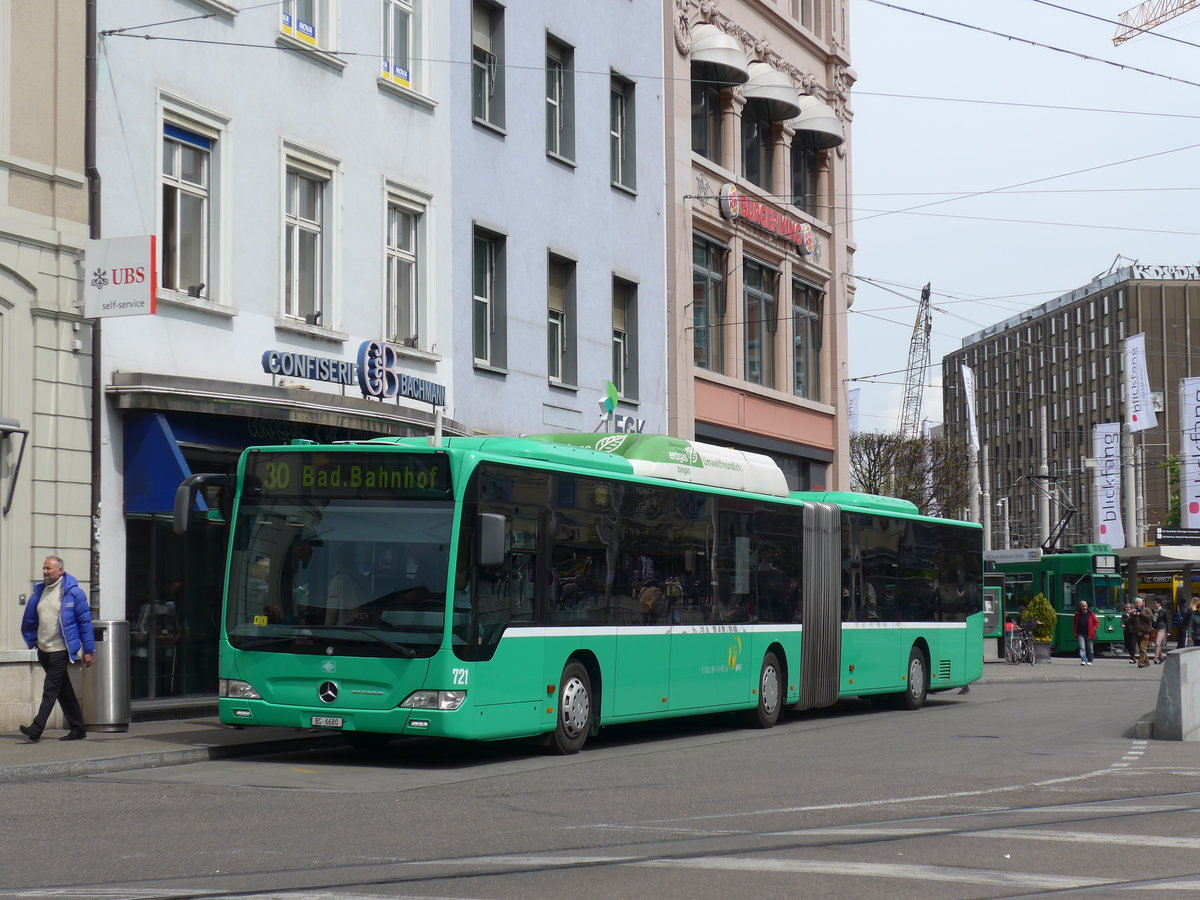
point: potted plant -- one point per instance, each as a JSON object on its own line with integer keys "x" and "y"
{"x": 1040, "y": 610}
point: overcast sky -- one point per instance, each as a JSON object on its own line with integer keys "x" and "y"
{"x": 1010, "y": 114}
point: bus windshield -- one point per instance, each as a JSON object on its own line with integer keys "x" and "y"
{"x": 364, "y": 577}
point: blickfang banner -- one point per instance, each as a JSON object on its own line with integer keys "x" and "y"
{"x": 1189, "y": 475}
{"x": 853, "y": 410}
{"x": 968, "y": 377}
{"x": 1106, "y": 485}
{"x": 1139, "y": 409}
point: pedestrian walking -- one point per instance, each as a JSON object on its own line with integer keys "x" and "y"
{"x": 1193, "y": 625}
{"x": 58, "y": 622}
{"x": 1086, "y": 624}
{"x": 1130, "y": 637}
{"x": 1142, "y": 622}
{"x": 1183, "y": 618}
{"x": 1159, "y": 630}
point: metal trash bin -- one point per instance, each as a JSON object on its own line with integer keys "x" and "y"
{"x": 106, "y": 684}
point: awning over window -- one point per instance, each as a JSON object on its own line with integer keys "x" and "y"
{"x": 154, "y": 466}
{"x": 716, "y": 57}
{"x": 774, "y": 90}
{"x": 820, "y": 123}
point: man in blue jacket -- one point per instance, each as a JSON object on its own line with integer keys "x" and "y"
{"x": 58, "y": 622}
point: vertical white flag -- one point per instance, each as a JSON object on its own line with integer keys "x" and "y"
{"x": 1106, "y": 486}
{"x": 968, "y": 378}
{"x": 1189, "y": 449}
{"x": 1139, "y": 409}
{"x": 852, "y": 408}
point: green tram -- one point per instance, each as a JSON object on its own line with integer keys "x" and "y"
{"x": 493, "y": 587}
{"x": 1090, "y": 572}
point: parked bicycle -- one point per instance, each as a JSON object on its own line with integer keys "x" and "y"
{"x": 1019, "y": 646}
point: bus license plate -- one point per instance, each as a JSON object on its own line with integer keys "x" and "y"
{"x": 327, "y": 721}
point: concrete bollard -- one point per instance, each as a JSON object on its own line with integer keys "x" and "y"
{"x": 1177, "y": 715}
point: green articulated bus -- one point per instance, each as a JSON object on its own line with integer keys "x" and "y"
{"x": 495, "y": 587}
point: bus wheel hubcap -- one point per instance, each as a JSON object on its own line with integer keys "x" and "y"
{"x": 916, "y": 680}
{"x": 575, "y": 707}
{"x": 770, "y": 689}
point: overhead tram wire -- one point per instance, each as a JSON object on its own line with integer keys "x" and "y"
{"x": 1032, "y": 43}
{"x": 1117, "y": 22}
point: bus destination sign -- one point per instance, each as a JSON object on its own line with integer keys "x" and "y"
{"x": 349, "y": 476}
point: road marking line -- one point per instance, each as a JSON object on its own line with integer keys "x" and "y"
{"x": 842, "y": 868}
{"x": 1089, "y": 837}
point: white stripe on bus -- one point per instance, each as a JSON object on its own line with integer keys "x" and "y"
{"x": 518, "y": 631}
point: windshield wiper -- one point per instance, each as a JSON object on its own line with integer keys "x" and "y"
{"x": 405, "y": 651}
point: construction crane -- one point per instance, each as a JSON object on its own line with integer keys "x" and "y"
{"x": 918, "y": 364}
{"x": 1149, "y": 15}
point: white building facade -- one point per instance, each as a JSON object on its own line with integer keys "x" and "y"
{"x": 290, "y": 160}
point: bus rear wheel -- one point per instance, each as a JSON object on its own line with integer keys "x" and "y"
{"x": 918, "y": 681}
{"x": 770, "y": 695}
{"x": 574, "y": 709}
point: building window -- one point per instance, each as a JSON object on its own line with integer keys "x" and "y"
{"x": 806, "y": 171}
{"x": 487, "y": 64}
{"x": 488, "y": 314}
{"x": 708, "y": 304}
{"x": 706, "y": 119}
{"x": 406, "y": 317}
{"x": 808, "y": 13}
{"x": 759, "y": 293}
{"x": 624, "y": 338}
{"x": 307, "y": 241}
{"x": 186, "y": 210}
{"x": 400, "y": 35}
{"x": 560, "y": 320}
{"x": 757, "y": 145}
{"x": 308, "y": 21}
{"x": 621, "y": 133}
{"x": 560, "y": 99}
{"x": 806, "y": 340}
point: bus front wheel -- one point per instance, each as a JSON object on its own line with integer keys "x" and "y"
{"x": 770, "y": 695}
{"x": 918, "y": 681}
{"x": 574, "y": 709}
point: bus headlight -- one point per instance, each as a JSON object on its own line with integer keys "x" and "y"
{"x": 443, "y": 700}
{"x": 237, "y": 690}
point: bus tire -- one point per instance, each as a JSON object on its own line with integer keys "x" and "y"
{"x": 770, "y": 695}
{"x": 367, "y": 740}
{"x": 917, "y": 685}
{"x": 574, "y": 709}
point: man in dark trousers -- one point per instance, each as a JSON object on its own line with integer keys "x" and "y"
{"x": 58, "y": 622}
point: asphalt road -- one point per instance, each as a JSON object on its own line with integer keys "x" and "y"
{"x": 1014, "y": 790}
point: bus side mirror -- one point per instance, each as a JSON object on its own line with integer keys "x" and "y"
{"x": 490, "y": 527}
{"x": 185, "y": 498}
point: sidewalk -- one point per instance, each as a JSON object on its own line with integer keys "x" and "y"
{"x": 201, "y": 738}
